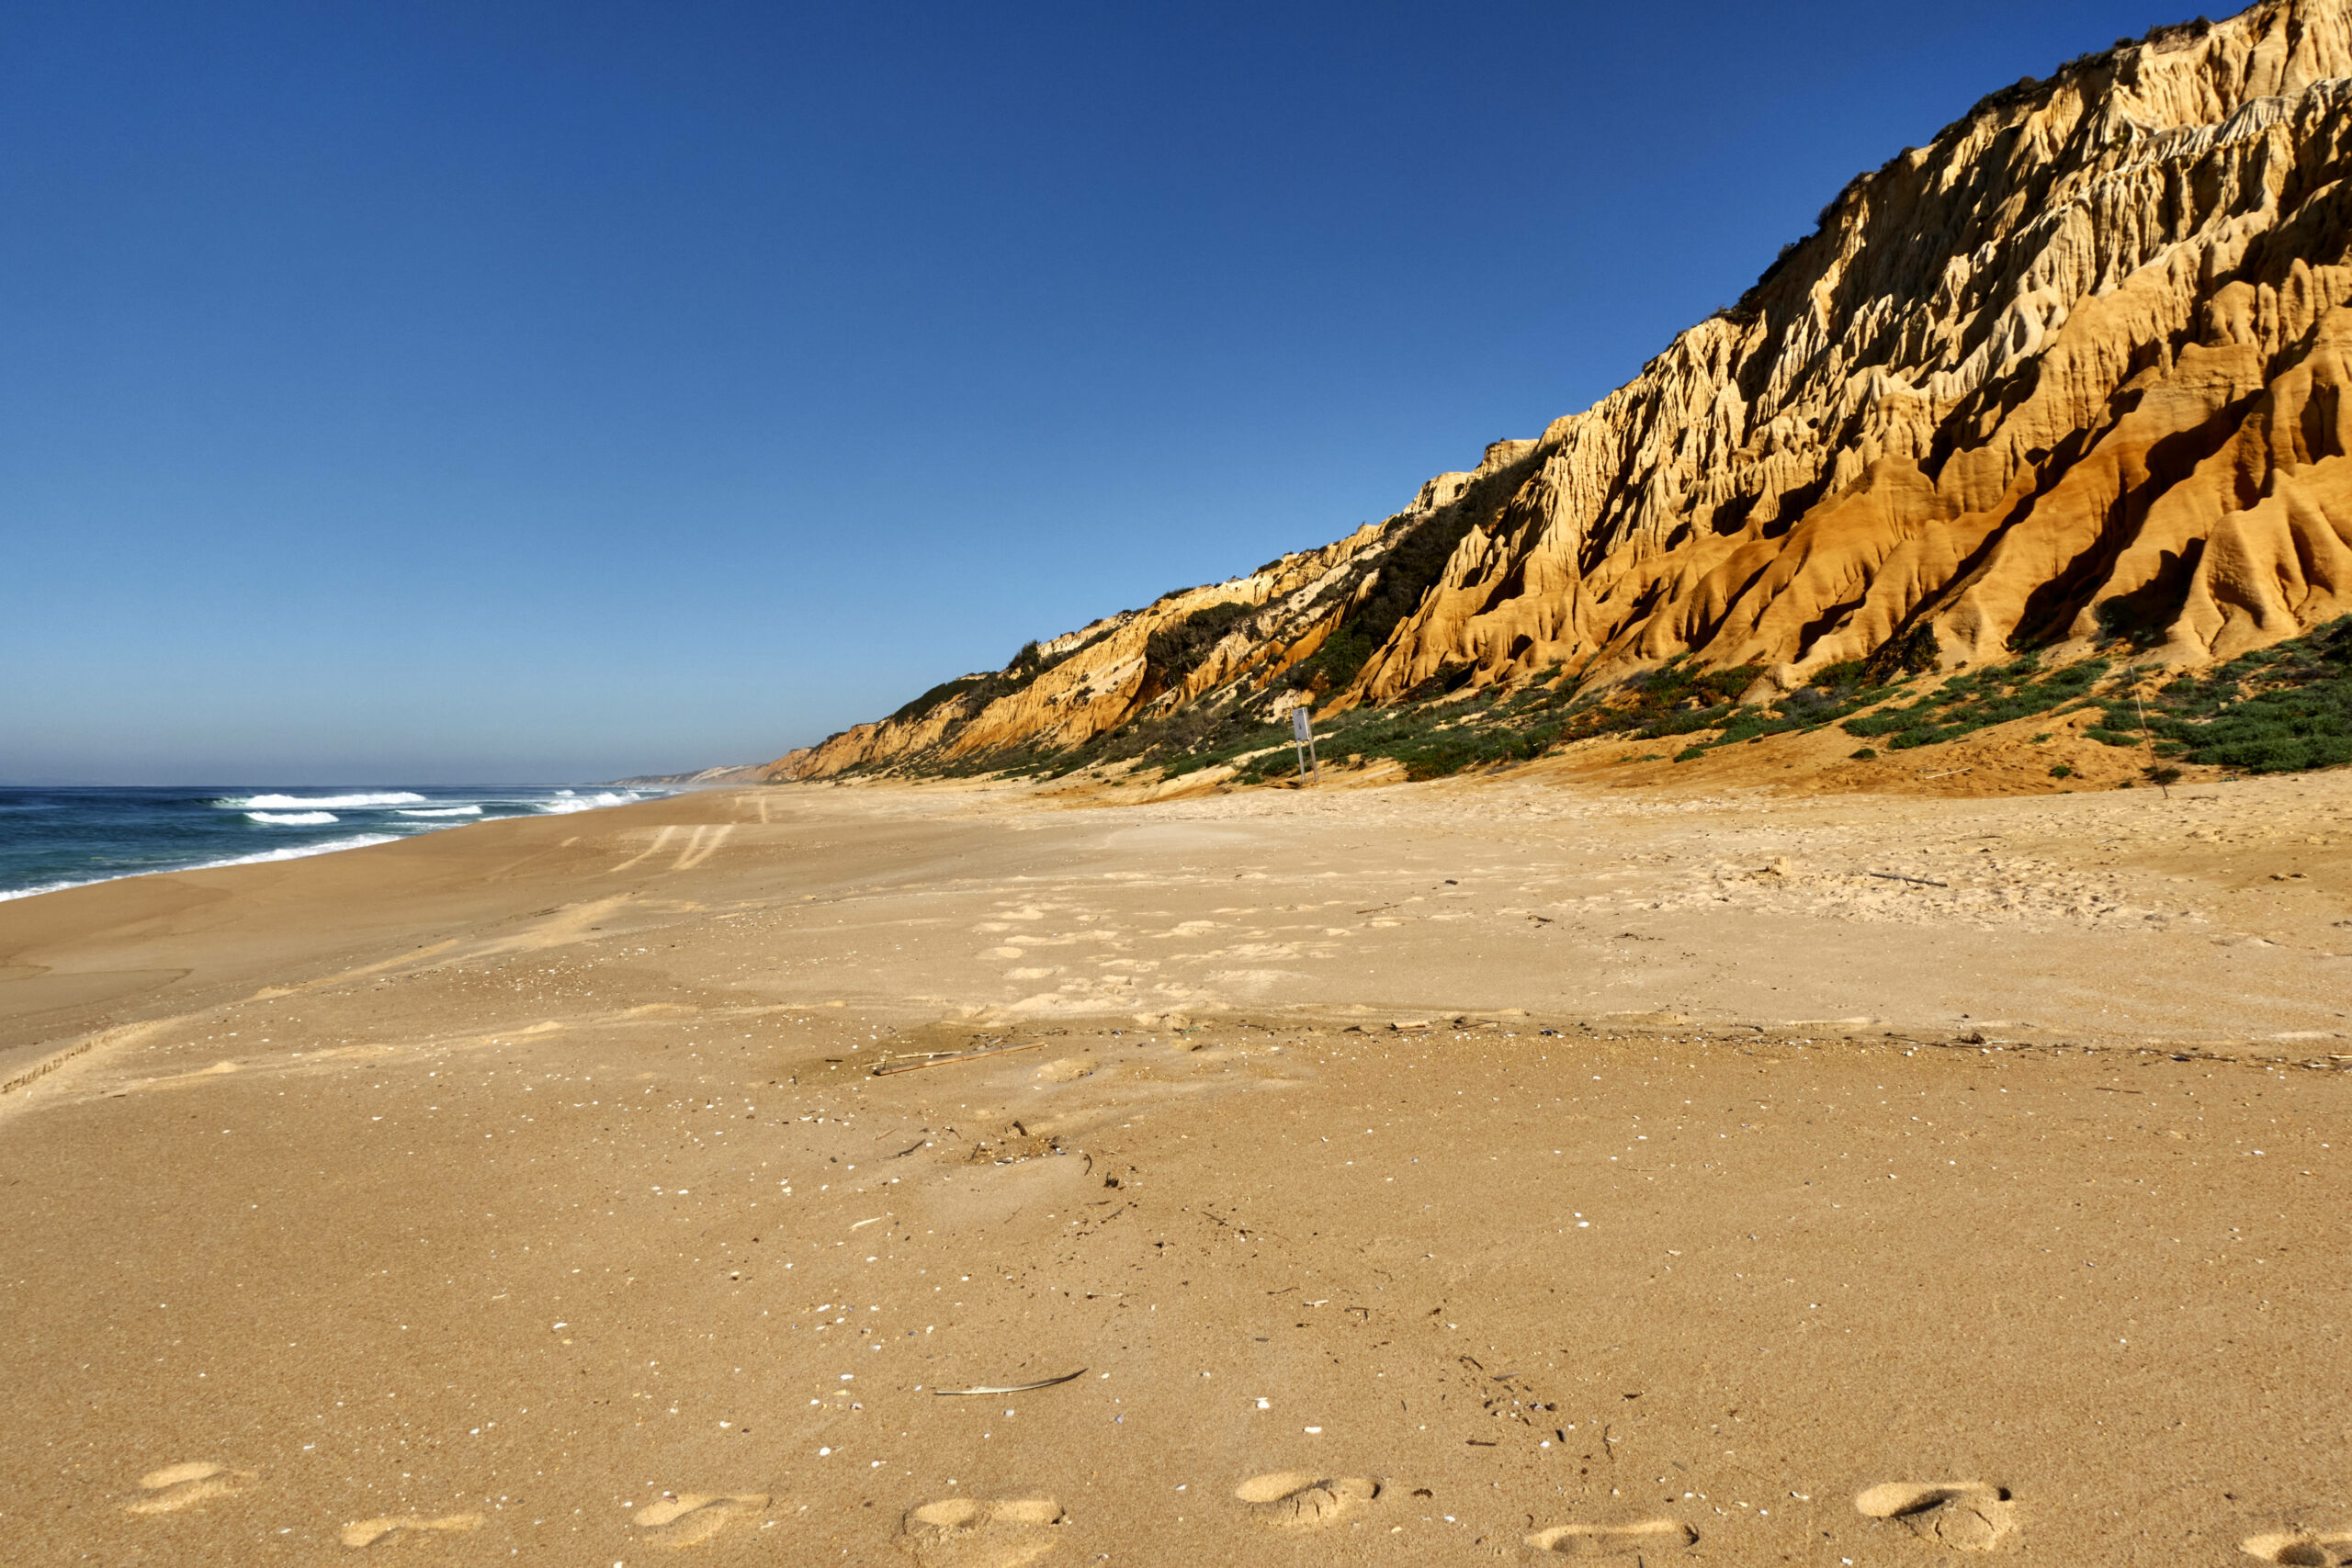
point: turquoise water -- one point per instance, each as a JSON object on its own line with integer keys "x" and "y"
{"x": 63, "y": 838}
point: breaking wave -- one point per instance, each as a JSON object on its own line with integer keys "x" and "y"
{"x": 344, "y": 802}
{"x": 567, "y": 801}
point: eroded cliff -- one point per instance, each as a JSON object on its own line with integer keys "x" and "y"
{"x": 2071, "y": 374}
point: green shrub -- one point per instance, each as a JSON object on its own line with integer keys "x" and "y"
{"x": 1913, "y": 653}
{"x": 1831, "y": 676}
{"x": 946, "y": 691}
{"x": 977, "y": 692}
{"x": 1967, "y": 703}
{"x": 2279, "y": 709}
{"x": 1889, "y": 721}
{"x": 1176, "y": 649}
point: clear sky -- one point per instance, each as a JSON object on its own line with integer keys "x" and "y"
{"x": 411, "y": 391}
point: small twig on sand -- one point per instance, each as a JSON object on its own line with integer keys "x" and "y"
{"x": 1947, "y": 772}
{"x": 905, "y": 1066}
{"x": 1898, "y": 876}
{"x": 1014, "y": 1388}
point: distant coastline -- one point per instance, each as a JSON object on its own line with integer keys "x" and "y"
{"x": 725, "y": 774}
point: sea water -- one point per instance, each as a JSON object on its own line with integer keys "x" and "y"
{"x": 63, "y": 838}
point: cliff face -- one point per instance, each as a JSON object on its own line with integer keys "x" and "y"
{"x": 2071, "y": 372}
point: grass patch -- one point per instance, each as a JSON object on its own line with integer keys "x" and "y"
{"x": 1977, "y": 700}
{"x": 2280, "y": 710}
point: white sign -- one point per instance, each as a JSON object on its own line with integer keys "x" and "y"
{"x": 1298, "y": 725}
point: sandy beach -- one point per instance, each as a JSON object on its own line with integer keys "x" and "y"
{"x": 1443, "y": 1173}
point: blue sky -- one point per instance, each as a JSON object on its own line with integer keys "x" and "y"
{"x": 502, "y": 392}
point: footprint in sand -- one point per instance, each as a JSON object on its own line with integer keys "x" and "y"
{"x": 969, "y": 1532}
{"x": 689, "y": 1518}
{"x": 368, "y": 1533}
{"x": 1641, "y": 1541}
{"x": 1968, "y": 1515}
{"x": 2303, "y": 1549}
{"x": 177, "y": 1487}
{"x": 1301, "y": 1500}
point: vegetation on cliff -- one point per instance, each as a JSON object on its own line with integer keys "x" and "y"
{"x": 2273, "y": 710}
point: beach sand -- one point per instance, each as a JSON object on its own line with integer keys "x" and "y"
{"x": 1471, "y": 1171}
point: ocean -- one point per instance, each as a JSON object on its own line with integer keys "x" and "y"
{"x": 66, "y": 837}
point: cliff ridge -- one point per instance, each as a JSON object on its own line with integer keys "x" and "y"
{"x": 2069, "y": 376}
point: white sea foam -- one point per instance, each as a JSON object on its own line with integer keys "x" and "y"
{"x": 342, "y": 802}
{"x": 567, "y": 801}
{"x": 294, "y": 819}
{"x": 358, "y": 841}
{"x": 443, "y": 811}
{"x": 7, "y": 893}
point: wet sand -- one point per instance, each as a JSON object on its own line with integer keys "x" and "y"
{"x": 1754, "y": 1177}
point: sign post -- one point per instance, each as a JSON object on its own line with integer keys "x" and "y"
{"x": 1301, "y": 734}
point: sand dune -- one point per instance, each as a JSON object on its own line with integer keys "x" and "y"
{"x": 1449, "y": 1173}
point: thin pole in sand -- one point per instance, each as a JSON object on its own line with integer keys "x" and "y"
{"x": 2153, "y": 770}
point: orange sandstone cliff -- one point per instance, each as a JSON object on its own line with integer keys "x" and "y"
{"x": 2075, "y": 370}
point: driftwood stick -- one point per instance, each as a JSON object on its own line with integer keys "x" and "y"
{"x": 902, "y": 1066}
{"x": 1898, "y": 876}
{"x": 1013, "y": 1388}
